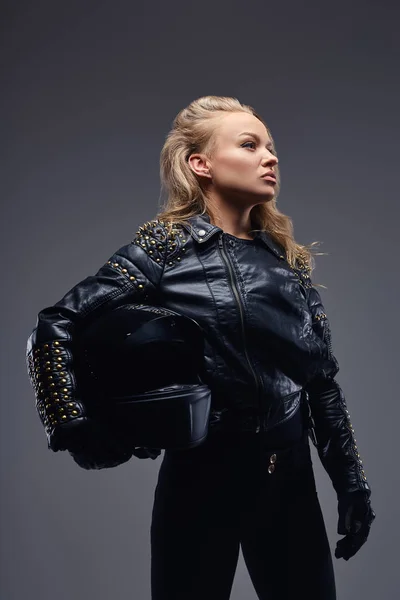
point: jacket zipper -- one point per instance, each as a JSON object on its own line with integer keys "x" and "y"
{"x": 258, "y": 380}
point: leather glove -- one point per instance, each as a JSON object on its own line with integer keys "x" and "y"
{"x": 355, "y": 519}
{"x": 95, "y": 445}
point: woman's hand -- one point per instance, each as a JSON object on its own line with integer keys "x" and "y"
{"x": 355, "y": 520}
{"x": 98, "y": 446}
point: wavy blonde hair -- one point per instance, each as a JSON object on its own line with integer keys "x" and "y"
{"x": 193, "y": 131}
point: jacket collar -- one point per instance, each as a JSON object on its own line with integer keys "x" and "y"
{"x": 201, "y": 230}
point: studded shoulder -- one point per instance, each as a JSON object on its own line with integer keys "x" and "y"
{"x": 152, "y": 237}
{"x": 176, "y": 241}
{"x": 163, "y": 243}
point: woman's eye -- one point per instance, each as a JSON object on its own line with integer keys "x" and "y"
{"x": 270, "y": 149}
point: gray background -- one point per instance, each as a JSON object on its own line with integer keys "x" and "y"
{"x": 89, "y": 93}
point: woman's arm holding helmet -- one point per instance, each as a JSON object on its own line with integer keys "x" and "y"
{"x": 132, "y": 274}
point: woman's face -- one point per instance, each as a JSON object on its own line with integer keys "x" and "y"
{"x": 239, "y": 159}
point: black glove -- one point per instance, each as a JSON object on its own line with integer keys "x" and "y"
{"x": 355, "y": 519}
{"x": 96, "y": 445}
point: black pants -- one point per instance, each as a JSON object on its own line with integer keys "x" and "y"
{"x": 232, "y": 491}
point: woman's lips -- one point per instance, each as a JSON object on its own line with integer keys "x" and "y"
{"x": 269, "y": 178}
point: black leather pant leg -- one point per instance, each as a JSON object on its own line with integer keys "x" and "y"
{"x": 210, "y": 499}
{"x": 283, "y": 535}
{"x": 194, "y": 531}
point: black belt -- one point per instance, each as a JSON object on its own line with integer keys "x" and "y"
{"x": 284, "y": 433}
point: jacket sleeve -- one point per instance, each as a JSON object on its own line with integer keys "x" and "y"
{"x": 332, "y": 431}
{"x": 132, "y": 274}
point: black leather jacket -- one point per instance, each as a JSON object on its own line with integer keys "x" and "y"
{"x": 267, "y": 337}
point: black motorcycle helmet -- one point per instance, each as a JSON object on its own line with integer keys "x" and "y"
{"x": 138, "y": 368}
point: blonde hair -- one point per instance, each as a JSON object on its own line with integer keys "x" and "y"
{"x": 193, "y": 131}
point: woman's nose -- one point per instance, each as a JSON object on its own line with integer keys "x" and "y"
{"x": 270, "y": 159}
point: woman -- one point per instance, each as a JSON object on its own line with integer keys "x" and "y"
{"x": 222, "y": 253}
